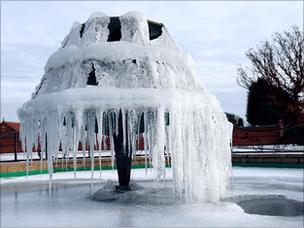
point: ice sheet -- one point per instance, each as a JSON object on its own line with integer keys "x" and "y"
{"x": 31, "y": 204}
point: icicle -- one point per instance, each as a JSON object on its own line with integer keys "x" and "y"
{"x": 158, "y": 160}
{"x": 83, "y": 144}
{"x": 167, "y": 144}
{"x": 62, "y": 156}
{"x": 137, "y": 135}
{"x": 104, "y": 142}
{"x": 99, "y": 161}
{"x": 136, "y": 127}
{"x": 50, "y": 164}
{"x": 124, "y": 113}
{"x": 27, "y": 162}
{"x": 110, "y": 124}
{"x": 72, "y": 121}
{"x": 150, "y": 141}
{"x": 99, "y": 116}
{"x": 171, "y": 130}
{"x": 32, "y": 139}
{"x": 63, "y": 140}
{"x": 116, "y": 122}
{"x": 112, "y": 152}
{"x": 129, "y": 131}
{"x": 67, "y": 158}
{"x": 91, "y": 137}
{"x": 74, "y": 154}
{"x": 41, "y": 161}
{"x": 175, "y": 153}
{"x": 145, "y": 135}
{"x": 42, "y": 141}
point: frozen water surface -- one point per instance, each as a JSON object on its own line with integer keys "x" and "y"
{"x": 31, "y": 204}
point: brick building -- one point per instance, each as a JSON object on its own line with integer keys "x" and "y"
{"x": 9, "y": 138}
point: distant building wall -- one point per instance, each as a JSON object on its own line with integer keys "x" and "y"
{"x": 242, "y": 136}
{"x": 9, "y": 137}
{"x": 264, "y": 135}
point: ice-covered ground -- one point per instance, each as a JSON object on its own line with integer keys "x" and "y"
{"x": 31, "y": 204}
{"x": 269, "y": 148}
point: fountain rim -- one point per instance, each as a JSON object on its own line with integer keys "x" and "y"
{"x": 105, "y": 98}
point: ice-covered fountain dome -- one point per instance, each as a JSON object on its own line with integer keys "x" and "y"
{"x": 120, "y": 77}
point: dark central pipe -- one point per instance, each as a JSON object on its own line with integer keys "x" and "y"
{"x": 123, "y": 155}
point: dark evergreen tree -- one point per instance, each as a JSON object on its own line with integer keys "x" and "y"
{"x": 267, "y": 104}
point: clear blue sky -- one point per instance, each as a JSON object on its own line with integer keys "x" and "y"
{"x": 216, "y": 34}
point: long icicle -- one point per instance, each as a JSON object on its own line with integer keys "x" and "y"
{"x": 41, "y": 161}
{"x": 145, "y": 134}
{"x": 83, "y": 144}
{"x": 74, "y": 153}
{"x": 99, "y": 116}
{"x": 110, "y": 123}
{"x": 91, "y": 138}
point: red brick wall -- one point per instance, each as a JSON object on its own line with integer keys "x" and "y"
{"x": 256, "y": 136}
{"x": 8, "y": 135}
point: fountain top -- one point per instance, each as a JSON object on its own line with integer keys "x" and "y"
{"x": 123, "y": 52}
{"x": 131, "y": 27}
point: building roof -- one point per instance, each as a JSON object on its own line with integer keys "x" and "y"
{"x": 14, "y": 125}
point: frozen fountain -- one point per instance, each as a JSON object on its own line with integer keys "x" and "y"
{"x": 115, "y": 80}
{"x": 122, "y": 77}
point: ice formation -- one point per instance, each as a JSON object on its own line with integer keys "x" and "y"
{"x": 130, "y": 64}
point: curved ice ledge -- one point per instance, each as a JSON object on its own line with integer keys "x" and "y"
{"x": 93, "y": 97}
{"x": 114, "y": 51}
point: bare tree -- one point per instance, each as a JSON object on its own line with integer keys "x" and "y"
{"x": 281, "y": 63}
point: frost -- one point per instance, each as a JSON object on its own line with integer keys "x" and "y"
{"x": 145, "y": 80}
{"x": 97, "y": 14}
{"x": 134, "y": 28}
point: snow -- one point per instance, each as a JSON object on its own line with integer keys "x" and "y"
{"x": 70, "y": 205}
{"x": 134, "y": 28}
{"x": 136, "y": 77}
{"x": 269, "y": 148}
{"x": 97, "y": 14}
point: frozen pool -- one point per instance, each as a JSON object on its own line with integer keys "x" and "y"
{"x": 31, "y": 204}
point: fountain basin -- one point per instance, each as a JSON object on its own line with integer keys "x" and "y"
{"x": 32, "y": 204}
